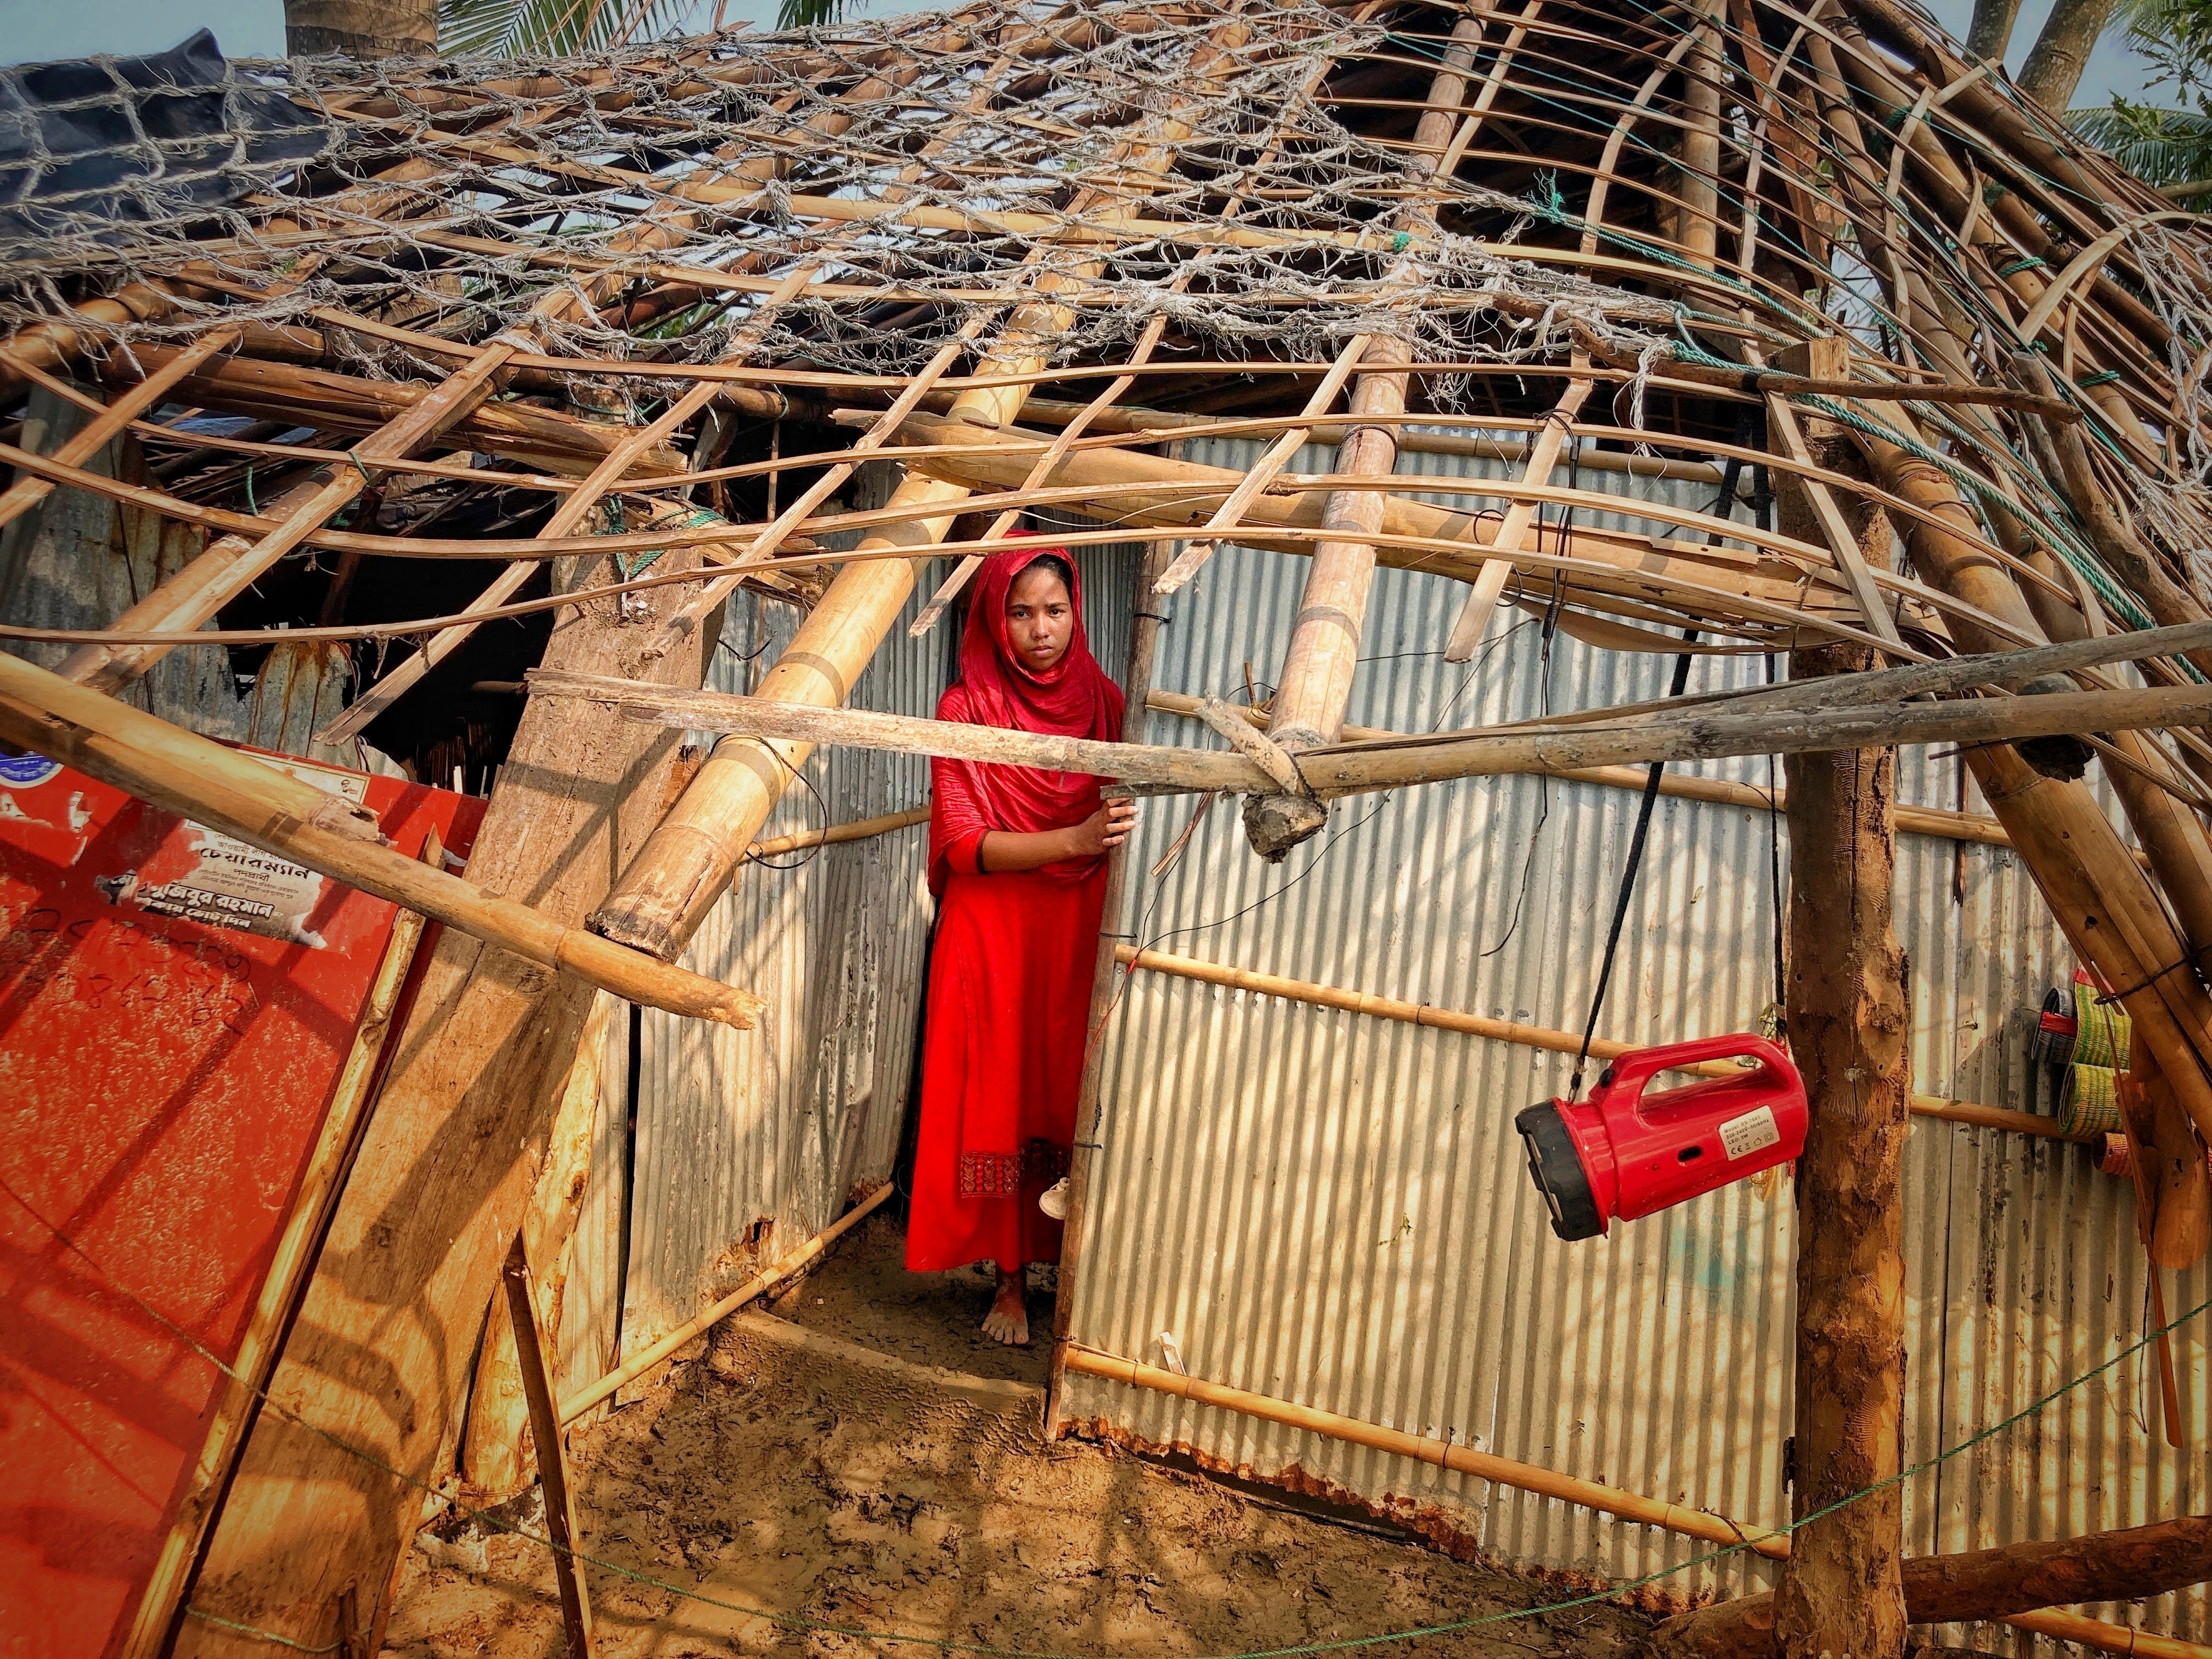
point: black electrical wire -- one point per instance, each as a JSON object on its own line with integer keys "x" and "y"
{"x": 1725, "y": 508}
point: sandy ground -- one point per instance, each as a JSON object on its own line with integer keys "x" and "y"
{"x": 811, "y": 1479}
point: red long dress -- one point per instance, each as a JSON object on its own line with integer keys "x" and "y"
{"x": 1009, "y": 973}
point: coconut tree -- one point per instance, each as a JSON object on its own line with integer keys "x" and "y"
{"x": 2168, "y": 145}
{"x": 361, "y": 29}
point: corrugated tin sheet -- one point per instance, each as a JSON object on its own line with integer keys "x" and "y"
{"x": 747, "y": 1142}
{"x": 1334, "y": 1209}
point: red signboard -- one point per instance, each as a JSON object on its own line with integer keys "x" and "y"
{"x": 175, "y": 1009}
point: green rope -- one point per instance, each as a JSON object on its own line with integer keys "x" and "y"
{"x": 2122, "y": 602}
{"x": 2031, "y": 262}
{"x": 2102, "y": 376}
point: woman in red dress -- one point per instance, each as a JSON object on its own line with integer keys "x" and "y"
{"x": 1017, "y": 859}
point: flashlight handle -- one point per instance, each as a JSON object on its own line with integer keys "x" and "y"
{"x": 1632, "y": 1072}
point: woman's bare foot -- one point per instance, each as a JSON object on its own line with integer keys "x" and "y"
{"x": 1008, "y": 1322}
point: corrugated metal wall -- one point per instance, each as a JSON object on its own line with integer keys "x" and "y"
{"x": 1334, "y": 1209}
{"x": 747, "y": 1142}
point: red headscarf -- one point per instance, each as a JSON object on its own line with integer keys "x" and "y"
{"x": 1074, "y": 698}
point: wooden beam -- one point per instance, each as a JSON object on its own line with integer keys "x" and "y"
{"x": 1363, "y": 769}
{"x": 2126, "y": 1565}
{"x": 379, "y": 1357}
{"x": 1849, "y": 1026}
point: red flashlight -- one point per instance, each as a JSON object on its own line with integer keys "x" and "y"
{"x": 1622, "y": 1153}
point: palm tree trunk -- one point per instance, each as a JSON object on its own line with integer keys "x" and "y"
{"x": 361, "y": 29}
{"x": 1990, "y": 32}
{"x": 2061, "y": 52}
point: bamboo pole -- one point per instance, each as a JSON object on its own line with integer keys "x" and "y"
{"x": 1314, "y": 683}
{"x": 838, "y": 833}
{"x": 1529, "y": 1036}
{"x": 1144, "y": 642}
{"x": 1170, "y": 423}
{"x": 1441, "y": 1453}
{"x": 584, "y": 1399}
{"x": 281, "y": 1286}
{"x": 1567, "y": 1489}
{"x": 1366, "y": 769}
{"x": 270, "y": 809}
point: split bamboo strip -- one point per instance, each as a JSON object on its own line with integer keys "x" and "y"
{"x": 24, "y": 494}
{"x": 201, "y": 780}
{"x": 1473, "y": 619}
{"x": 1230, "y": 512}
{"x": 1314, "y": 683}
{"x": 1566, "y": 1488}
{"x": 584, "y": 1399}
{"x": 281, "y": 1287}
{"x": 567, "y": 518}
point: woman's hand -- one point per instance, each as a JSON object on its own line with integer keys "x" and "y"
{"x": 1002, "y": 852}
{"x": 1105, "y": 829}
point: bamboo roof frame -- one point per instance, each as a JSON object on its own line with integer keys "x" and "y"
{"x": 1014, "y": 248}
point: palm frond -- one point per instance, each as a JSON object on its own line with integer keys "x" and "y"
{"x": 809, "y": 14}
{"x": 2159, "y": 146}
{"x": 508, "y": 28}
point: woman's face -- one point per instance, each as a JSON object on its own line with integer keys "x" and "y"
{"x": 1040, "y": 618}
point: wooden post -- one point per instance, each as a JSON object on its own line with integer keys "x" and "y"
{"x": 1137, "y": 683}
{"x": 552, "y": 1453}
{"x": 1841, "y": 1595}
{"x": 379, "y": 1357}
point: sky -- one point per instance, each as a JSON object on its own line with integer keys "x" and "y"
{"x": 34, "y": 31}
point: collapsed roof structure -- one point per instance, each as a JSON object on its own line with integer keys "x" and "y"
{"x": 595, "y": 344}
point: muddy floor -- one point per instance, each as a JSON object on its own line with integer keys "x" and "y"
{"x": 810, "y": 1477}
{"x": 864, "y": 1294}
